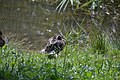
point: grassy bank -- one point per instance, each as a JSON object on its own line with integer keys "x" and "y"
{"x": 74, "y": 63}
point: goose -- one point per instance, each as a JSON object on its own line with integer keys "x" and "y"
{"x": 54, "y": 45}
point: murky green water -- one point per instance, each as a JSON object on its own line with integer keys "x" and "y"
{"x": 37, "y": 21}
{"x": 26, "y": 19}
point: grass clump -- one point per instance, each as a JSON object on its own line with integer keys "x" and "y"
{"x": 73, "y": 63}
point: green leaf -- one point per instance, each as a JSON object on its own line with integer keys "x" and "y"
{"x": 86, "y": 4}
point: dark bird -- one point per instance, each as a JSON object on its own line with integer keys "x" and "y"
{"x": 54, "y": 45}
{"x": 2, "y": 42}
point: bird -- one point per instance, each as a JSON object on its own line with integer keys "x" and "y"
{"x": 54, "y": 45}
{"x": 2, "y": 41}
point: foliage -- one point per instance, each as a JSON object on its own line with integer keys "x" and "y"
{"x": 71, "y": 64}
{"x": 64, "y": 3}
{"x": 104, "y": 15}
{"x": 87, "y": 4}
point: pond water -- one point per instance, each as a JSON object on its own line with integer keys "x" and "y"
{"x": 27, "y": 19}
{"x": 36, "y": 21}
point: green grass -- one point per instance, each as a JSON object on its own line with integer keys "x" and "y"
{"x": 73, "y": 63}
